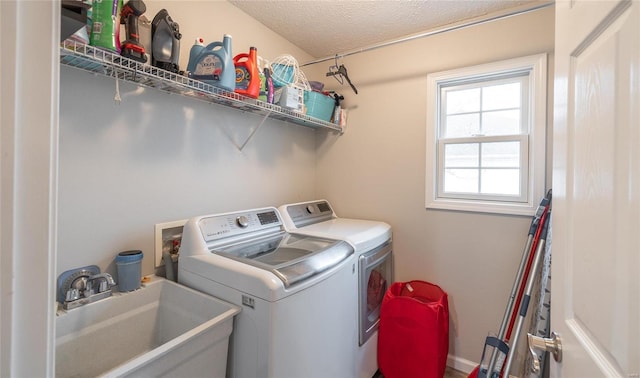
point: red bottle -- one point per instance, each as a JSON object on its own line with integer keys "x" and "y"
{"x": 247, "y": 74}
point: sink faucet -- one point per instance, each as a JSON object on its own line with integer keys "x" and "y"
{"x": 80, "y": 286}
{"x": 105, "y": 282}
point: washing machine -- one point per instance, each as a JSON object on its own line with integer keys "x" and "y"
{"x": 373, "y": 248}
{"x": 296, "y": 293}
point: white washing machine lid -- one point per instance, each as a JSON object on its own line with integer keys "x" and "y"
{"x": 318, "y": 219}
{"x": 291, "y": 257}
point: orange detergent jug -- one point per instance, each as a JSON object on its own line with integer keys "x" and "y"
{"x": 247, "y": 73}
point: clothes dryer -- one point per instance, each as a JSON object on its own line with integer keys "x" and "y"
{"x": 372, "y": 241}
{"x": 296, "y": 293}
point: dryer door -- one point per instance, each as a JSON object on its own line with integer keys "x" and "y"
{"x": 376, "y": 274}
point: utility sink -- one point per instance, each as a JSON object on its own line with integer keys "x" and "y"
{"x": 162, "y": 329}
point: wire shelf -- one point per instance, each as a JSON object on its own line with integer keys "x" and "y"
{"x": 107, "y": 63}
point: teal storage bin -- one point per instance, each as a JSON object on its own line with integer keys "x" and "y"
{"x": 282, "y": 74}
{"x": 318, "y": 105}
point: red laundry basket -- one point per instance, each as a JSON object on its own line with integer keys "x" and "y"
{"x": 413, "y": 337}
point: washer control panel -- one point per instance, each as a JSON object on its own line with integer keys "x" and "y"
{"x": 218, "y": 227}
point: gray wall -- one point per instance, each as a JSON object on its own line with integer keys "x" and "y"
{"x": 376, "y": 170}
{"x": 158, "y": 157}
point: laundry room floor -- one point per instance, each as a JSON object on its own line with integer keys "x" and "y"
{"x": 452, "y": 373}
{"x": 449, "y": 373}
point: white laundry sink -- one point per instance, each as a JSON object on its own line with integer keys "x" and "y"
{"x": 162, "y": 329}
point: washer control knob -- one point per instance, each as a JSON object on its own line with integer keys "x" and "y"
{"x": 310, "y": 209}
{"x": 242, "y": 221}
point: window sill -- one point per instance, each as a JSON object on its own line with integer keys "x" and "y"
{"x": 521, "y": 209}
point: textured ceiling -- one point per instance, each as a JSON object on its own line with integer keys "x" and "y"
{"x": 328, "y": 27}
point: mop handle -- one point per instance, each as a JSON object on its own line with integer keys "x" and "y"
{"x": 512, "y": 296}
{"x": 518, "y": 284}
{"x": 525, "y": 276}
{"x": 524, "y": 265}
{"x": 527, "y": 297}
{"x": 542, "y": 212}
{"x": 507, "y": 314}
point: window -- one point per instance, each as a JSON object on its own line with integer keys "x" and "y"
{"x": 486, "y": 137}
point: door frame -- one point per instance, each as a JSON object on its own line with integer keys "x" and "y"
{"x": 29, "y": 73}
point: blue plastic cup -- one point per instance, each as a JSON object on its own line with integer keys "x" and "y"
{"x": 129, "y": 264}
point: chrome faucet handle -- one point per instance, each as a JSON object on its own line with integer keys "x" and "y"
{"x": 106, "y": 282}
{"x": 72, "y": 295}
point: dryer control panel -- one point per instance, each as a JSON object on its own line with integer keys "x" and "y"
{"x": 303, "y": 214}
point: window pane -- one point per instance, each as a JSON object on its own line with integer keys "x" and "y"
{"x": 461, "y": 180}
{"x": 500, "y": 181}
{"x": 504, "y": 96}
{"x": 462, "y": 155}
{"x": 462, "y": 125}
{"x": 501, "y": 154}
{"x": 463, "y": 101}
{"x": 502, "y": 122}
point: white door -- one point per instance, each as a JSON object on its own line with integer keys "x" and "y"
{"x": 596, "y": 189}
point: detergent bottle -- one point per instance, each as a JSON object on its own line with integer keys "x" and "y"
{"x": 194, "y": 53}
{"x": 214, "y": 65}
{"x": 247, "y": 73}
{"x": 105, "y": 30}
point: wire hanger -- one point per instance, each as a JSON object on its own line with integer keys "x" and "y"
{"x": 339, "y": 72}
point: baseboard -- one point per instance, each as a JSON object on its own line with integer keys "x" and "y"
{"x": 461, "y": 364}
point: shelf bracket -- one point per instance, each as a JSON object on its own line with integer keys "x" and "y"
{"x": 254, "y": 131}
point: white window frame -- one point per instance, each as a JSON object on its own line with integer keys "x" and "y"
{"x": 533, "y": 139}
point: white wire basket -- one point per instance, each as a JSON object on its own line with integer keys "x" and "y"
{"x": 286, "y": 71}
